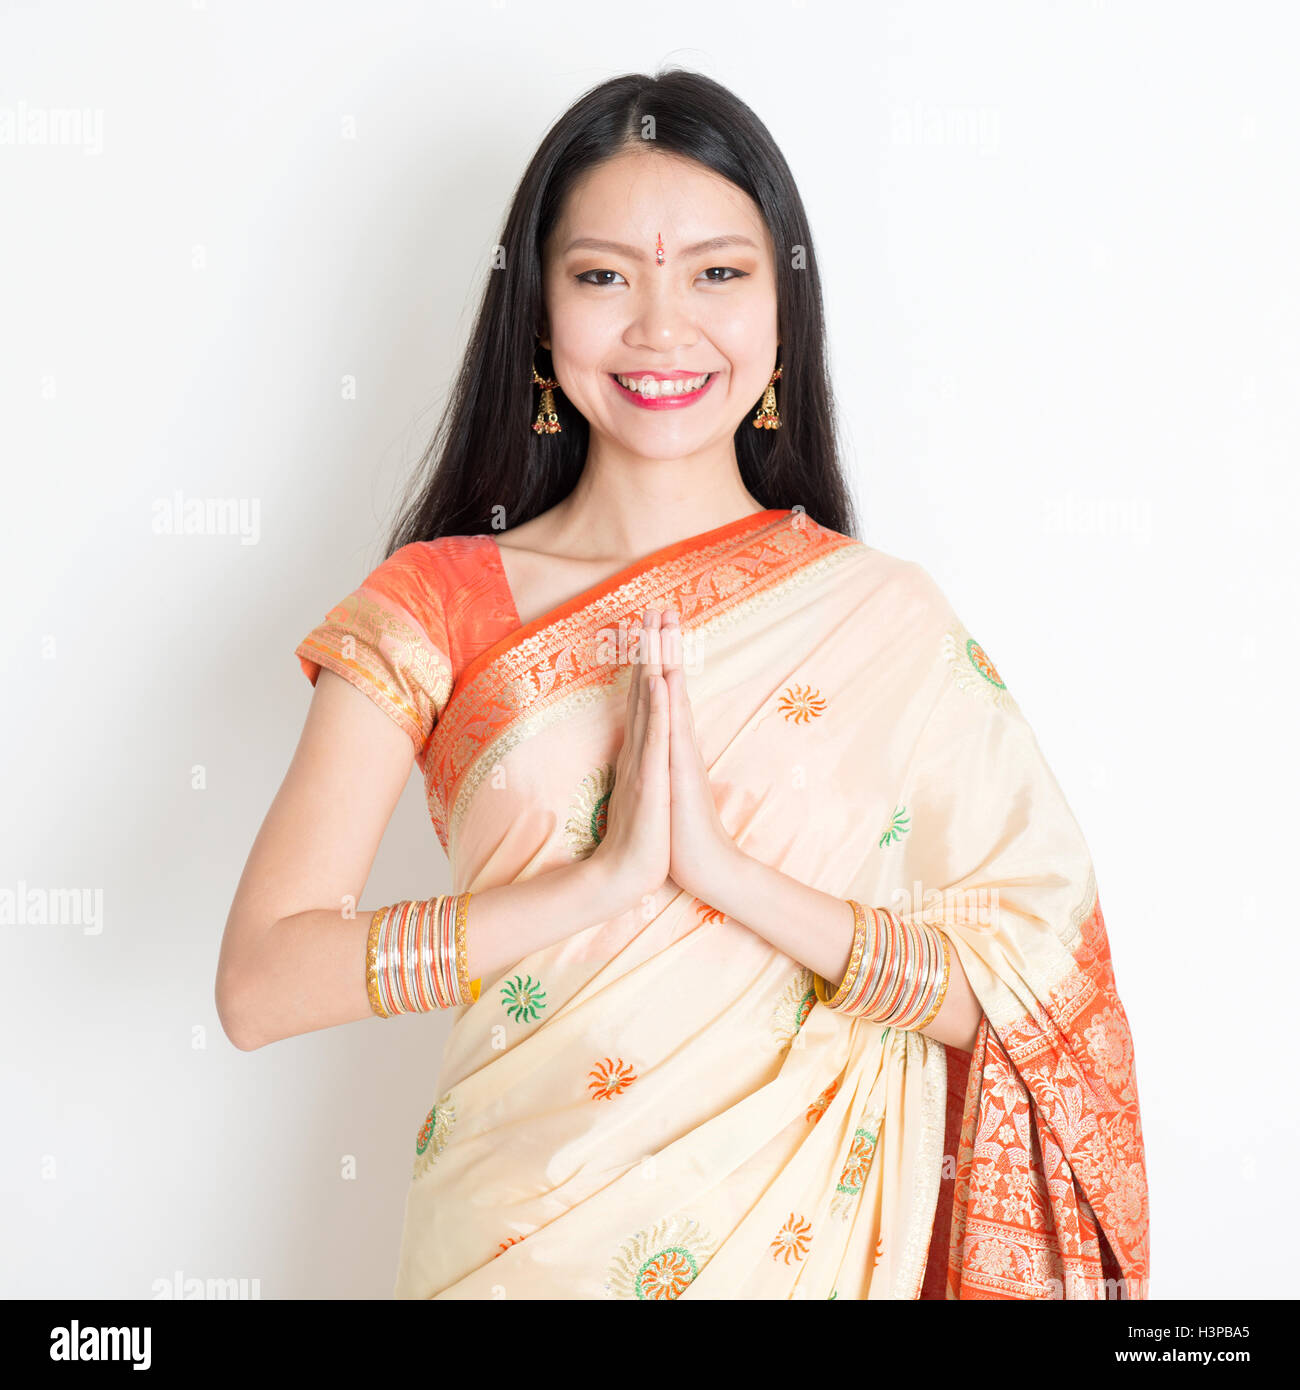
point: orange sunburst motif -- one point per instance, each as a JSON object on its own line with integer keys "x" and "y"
{"x": 506, "y": 1244}
{"x": 818, "y": 1108}
{"x": 609, "y": 1079}
{"x": 858, "y": 1163}
{"x": 707, "y": 913}
{"x": 801, "y": 703}
{"x": 792, "y": 1240}
{"x": 880, "y": 1250}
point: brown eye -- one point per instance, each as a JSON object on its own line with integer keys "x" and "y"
{"x": 585, "y": 277}
{"x": 729, "y": 271}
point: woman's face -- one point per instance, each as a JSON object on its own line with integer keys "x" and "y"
{"x": 612, "y": 310}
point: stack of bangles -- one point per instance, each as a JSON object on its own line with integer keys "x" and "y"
{"x": 415, "y": 957}
{"x": 898, "y": 971}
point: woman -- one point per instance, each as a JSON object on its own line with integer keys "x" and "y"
{"x": 790, "y": 975}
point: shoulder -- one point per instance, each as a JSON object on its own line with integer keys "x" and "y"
{"x": 903, "y": 587}
{"x": 425, "y": 577}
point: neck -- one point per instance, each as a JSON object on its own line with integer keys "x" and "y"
{"x": 628, "y": 506}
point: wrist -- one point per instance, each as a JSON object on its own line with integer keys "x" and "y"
{"x": 604, "y": 888}
{"x": 730, "y": 880}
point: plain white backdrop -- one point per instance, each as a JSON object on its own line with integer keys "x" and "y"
{"x": 242, "y": 247}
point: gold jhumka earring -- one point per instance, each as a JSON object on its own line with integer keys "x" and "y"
{"x": 767, "y": 417}
{"x": 547, "y": 422}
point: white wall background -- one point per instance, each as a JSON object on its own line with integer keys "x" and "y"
{"x": 1058, "y": 245}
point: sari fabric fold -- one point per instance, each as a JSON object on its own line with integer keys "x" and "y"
{"x": 658, "y": 1107}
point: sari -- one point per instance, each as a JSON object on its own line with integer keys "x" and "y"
{"x": 658, "y": 1106}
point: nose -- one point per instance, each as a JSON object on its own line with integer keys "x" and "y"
{"x": 662, "y": 321}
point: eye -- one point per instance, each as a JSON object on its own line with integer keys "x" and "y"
{"x": 586, "y": 275}
{"x": 729, "y": 271}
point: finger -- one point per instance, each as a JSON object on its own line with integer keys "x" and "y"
{"x": 671, "y": 641}
{"x": 633, "y": 684}
{"x": 640, "y": 695}
{"x": 654, "y": 645}
{"x": 656, "y": 733}
{"x": 650, "y": 668}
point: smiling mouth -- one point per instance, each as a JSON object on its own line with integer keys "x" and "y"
{"x": 655, "y": 388}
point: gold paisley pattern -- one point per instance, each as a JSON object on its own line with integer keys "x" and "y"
{"x": 589, "y": 810}
{"x": 433, "y": 1135}
{"x": 661, "y": 1261}
{"x": 793, "y": 1005}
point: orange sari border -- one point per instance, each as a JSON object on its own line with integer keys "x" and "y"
{"x": 562, "y": 655}
{"x": 1050, "y": 1198}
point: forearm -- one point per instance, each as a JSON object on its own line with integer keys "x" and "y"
{"x": 816, "y": 929}
{"x": 308, "y": 971}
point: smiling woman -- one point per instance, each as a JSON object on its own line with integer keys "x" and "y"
{"x": 774, "y": 952}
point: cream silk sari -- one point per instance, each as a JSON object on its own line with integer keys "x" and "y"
{"x": 657, "y": 1107}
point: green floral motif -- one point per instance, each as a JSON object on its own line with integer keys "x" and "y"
{"x": 899, "y": 824}
{"x": 523, "y": 998}
{"x": 835, "y": 1293}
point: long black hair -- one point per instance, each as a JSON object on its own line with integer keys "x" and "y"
{"x": 485, "y": 455}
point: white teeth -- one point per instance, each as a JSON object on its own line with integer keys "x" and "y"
{"x": 650, "y": 386}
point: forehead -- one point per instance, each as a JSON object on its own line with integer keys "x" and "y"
{"x": 639, "y": 193}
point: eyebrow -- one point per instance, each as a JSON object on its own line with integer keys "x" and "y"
{"x": 717, "y": 243}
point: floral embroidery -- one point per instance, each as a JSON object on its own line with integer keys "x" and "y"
{"x": 609, "y": 1079}
{"x": 801, "y": 703}
{"x": 793, "y": 1006}
{"x": 433, "y": 1135}
{"x": 589, "y": 810}
{"x": 853, "y": 1176}
{"x": 899, "y": 824}
{"x": 660, "y": 1262}
{"x": 792, "y": 1240}
{"x": 818, "y": 1108}
{"x": 971, "y": 667}
{"x": 506, "y": 1244}
{"x": 523, "y": 999}
{"x": 708, "y": 914}
{"x": 1111, "y": 1048}
{"x": 1061, "y": 1080}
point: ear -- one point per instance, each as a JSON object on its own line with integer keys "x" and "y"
{"x": 544, "y": 335}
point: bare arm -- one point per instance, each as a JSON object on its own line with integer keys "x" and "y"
{"x": 290, "y": 961}
{"x": 816, "y": 929}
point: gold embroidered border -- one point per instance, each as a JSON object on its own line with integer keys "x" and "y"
{"x": 931, "y": 1057}
{"x": 530, "y": 679}
{"x": 384, "y": 652}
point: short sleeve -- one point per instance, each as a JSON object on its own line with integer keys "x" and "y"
{"x": 388, "y": 639}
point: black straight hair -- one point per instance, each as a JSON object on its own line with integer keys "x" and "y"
{"x": 485, "y": 461}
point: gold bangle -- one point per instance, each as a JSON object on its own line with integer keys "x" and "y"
{"x": 372, "y": 951}
{"x": 468, "y": 991}
{"x": 855, "y": 958}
